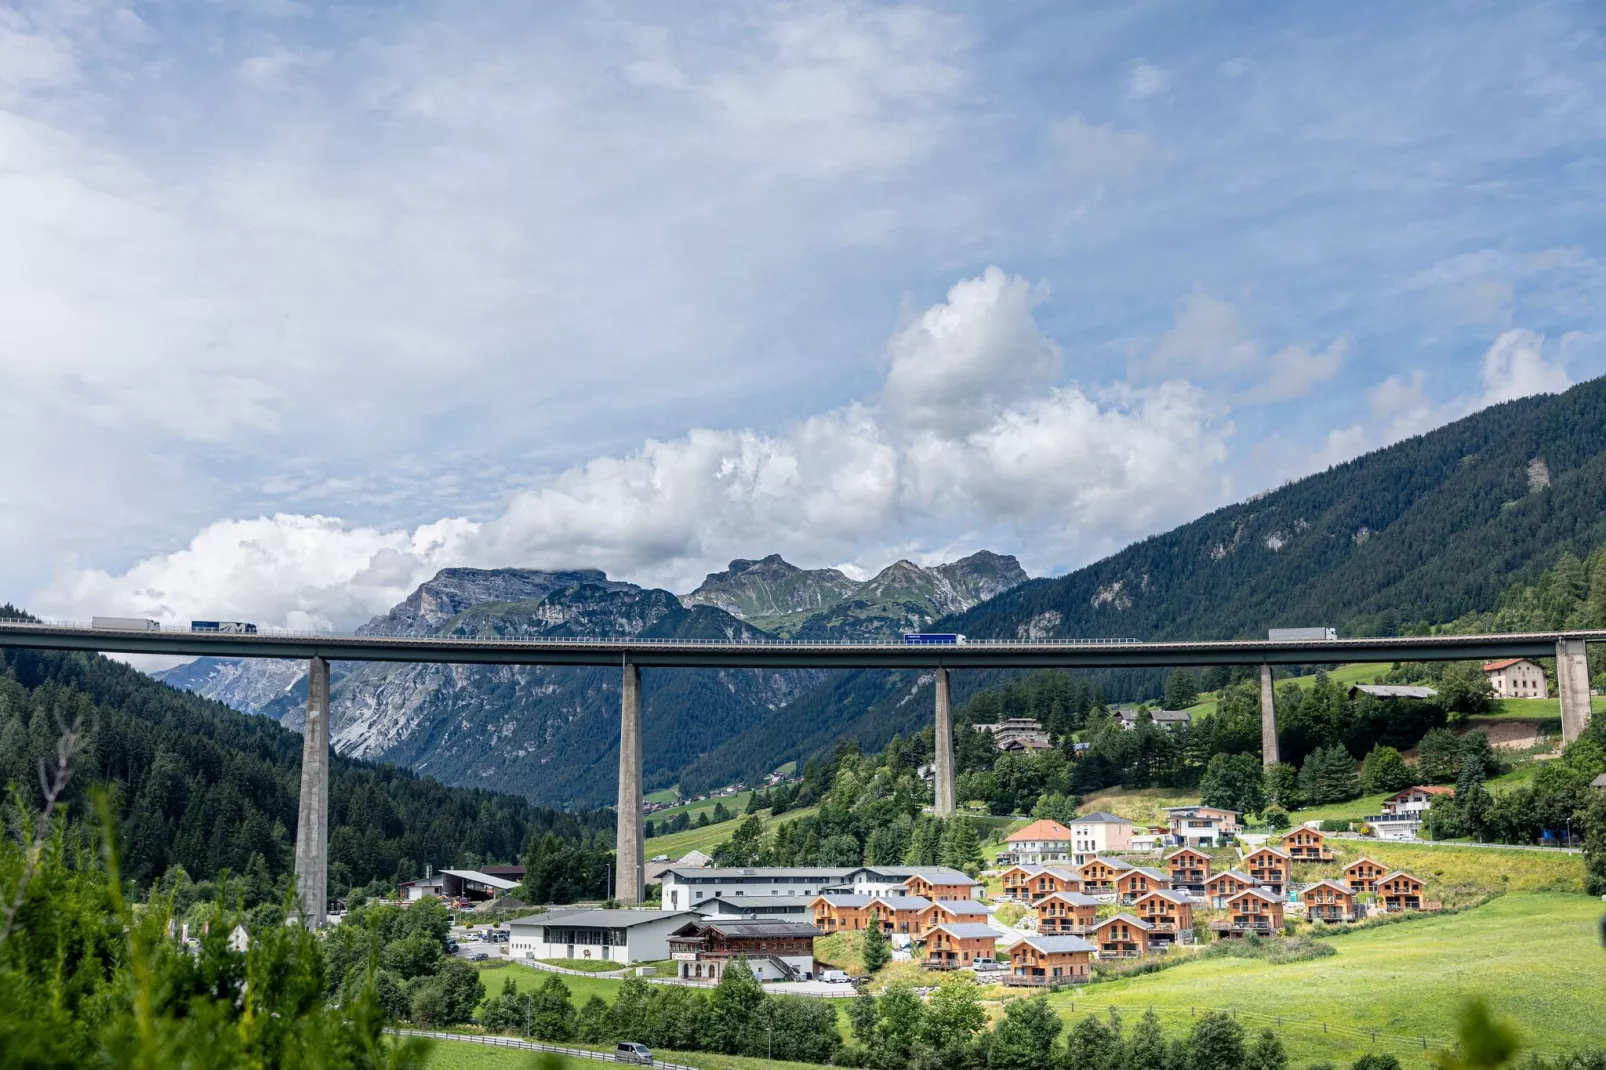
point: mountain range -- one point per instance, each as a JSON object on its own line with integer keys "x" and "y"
{"x": 551, "y": 733}
{"x": 1422, "y": 532}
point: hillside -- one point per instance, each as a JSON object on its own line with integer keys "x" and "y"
{"x": 208, "y": 788}
{"x": 1427, "y": 531}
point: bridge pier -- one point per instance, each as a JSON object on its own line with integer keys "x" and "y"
{"x": 312, "y": 819}
{"x": 629, "y": 844}
{"x": 1572, "y": 687}
{"x": 943, "y": 802}
{"x": 1268, "y": 719}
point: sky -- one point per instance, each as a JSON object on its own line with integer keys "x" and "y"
{"x": 300, "y": 303}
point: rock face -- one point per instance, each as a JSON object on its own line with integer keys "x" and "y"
{"x": 551, "y": 733}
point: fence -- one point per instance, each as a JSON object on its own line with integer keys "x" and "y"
{"x": 528, "y": 1045}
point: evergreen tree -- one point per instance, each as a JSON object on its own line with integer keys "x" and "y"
{"x": 1216, "y": 1043}
{"x": 954, "y": 1013}
{"x": 877, "y": 948}
{"x": 961, "y": 845}
{"x": 925, "y": 843}
{"x": 1024, "y": 1038}
{"x": 862, "y": 1017}
{"x": 1233, "y": 781}
{"x": 1384, "y": 770}
{"x": 1091, "y": 1045}
{"x": 1328, "y": 775}
{"x": 900, "y": 1020}
{"x": 1146, "y": 1046}
{"x": 1266, "y": 1053}
{"x": 1180, "y": 690}
{"x": 1438, "y": 757}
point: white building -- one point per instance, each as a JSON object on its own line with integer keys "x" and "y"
{"x": 1100, "y": 833}
{"x": 685, "y": 887}
{"x": 942, "y": 881}
{"x": 1161, "y": 718}
{"x": 1404, "y": 812}
{"x": 1517, "y": 678}
{"x": 457, "y": 884}
{"x": 1201, "y": 826}
{"x": 759, "y": 907}
{"x": 607, "y": 935}
{"x": 1017, "y": 734}
{"x": 1043, "y": 842}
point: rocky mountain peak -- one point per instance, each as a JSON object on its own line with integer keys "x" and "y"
{"x": 769, "y": 589}
{"x": 453, "y": 590}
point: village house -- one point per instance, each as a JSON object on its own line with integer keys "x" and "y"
{"x": 1517, "y": 678}
{"x": 684, "y": 886}
{"x": 1095, "y": 834}
{"x": 1399, "y": 891}
{"x": 953, "y": 912}
{"x": 1171, "y": 916}
{"x": 1223, "y": 886}
{"x": 932, "y": 882}
{"x": 851, "y": 913}
{"x": 942, "y": 885}
{"x": 1017, "y": 734}
{"x": 1201, "y": 826}
{"x": 1331, "y": 901}
{"x": 1122, "y": 937}
{"x": 1130, "y": 718}
{"x": 1139, "y": 880}
{"x": 1098, "y": 874}
{"x": 1404, "y": 812}
{"x": 1306, "y": 844}
{"x": 774, "y": 950}
{"x": 956, "y": 945}
{"x": 1041, "y": 843}
{"x": 1363, "y": 874}
{"x": 1252, "y": 911}
{"x": 1268, "y": 865}
{"x": 1066, "y": 913}
{"x": 602, "y": 935}
{"x": 1026, "y": 884}
{"x": 1050, "y": 960}
{"x": 1190, "y": 868}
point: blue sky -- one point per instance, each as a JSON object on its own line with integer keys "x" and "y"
{"x": 300, "y": 303}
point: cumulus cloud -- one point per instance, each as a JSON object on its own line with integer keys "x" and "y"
{"x": 970, "y": 431}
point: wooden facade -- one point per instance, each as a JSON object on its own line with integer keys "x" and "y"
{"x": 1305, "y": 844}
{"x": 1050, "y": 960}
{"x": 1269, "y": 866}
{"x": 1400, "y": 891}
{"x": 1170, "y": 914}
{"x": 943, "y": 893}
{"x": 1190, "y": 868}
{"x": 1066, "y": 913}
{"x": 952, "y": 947}
{"x": 1363, "y": 874}
{"x": 1099, "y": 874}
{"x": 1223, "y": 886}
{"x": 1028, "y": 884}
{"x": 1253, "y": 911}
{"x": 1331, "y": 901}
{"x": 1140, "y": 880}
{"x": 1122, "y": 937}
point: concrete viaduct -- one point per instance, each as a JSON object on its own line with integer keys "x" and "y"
{"x": 632, "y": 655}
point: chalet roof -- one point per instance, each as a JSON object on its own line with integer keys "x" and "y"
{"x": 1113, "y": 863}
{"x": 967, "y": 930}
{"x": 1155, "y": 874}
{"x": 903, "y": 902}
{"x": 1100, "y": 817}
{"x": 934, "y": 874}
{"x": 1259, "y": 893}
{"x": 1329, "y": 883}
{"x": 1076, "y": 899}
{"x": 1062, "y": 872}
{"x": 1168, "y": 895}
{"x": 1186, "y": 851}
{"x": 1039, "y": 830}
{"x": 1430, "y": 789}
{"x": 1266, "y": 847}
{"x": 1237, "y": 874}
{"x": 1029, "y": 870}
{"x": 1184, "y": 810}
{"x": 1058, "y": 945}
{"x": 966, "y": 907}
{"x": 1135, "y": 922}
{"x": 1385, "y": 878}
{"x": 761, "y": 872}
{"x": 1363, "y": 859}
{"x": 748, "y": 929}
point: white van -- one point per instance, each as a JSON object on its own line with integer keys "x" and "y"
{"x": 631, "y": 1052}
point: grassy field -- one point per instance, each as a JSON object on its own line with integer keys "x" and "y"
{"x": 463, "y": 1055}
{"x": 1536, "y": 958}
{"x": 583, "y": 965}
{"x": 663, "y": 795}
{"x": 1488, "y": 868}
{"x": 707, "y": 838}
{"x": 1145, "y": 806}
{"x": 734, "y": 803}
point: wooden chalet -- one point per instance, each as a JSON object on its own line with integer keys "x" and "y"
{"x": 1363, "y": 874}
{"x": 1099, "y": 874}
{"x": 852, "y": 913}
{"x": 1400, "y": 891}
{"x": 1269, "y": 866}
{"x": 1028, "y": 884}
{"x": 1306, "y": 844}
{"x": 1189, "y": 867}
{"x": 1170, "y": 914}
{"x": 1331, "y": 901}
{"x": 958, "y": 945}
{"x": 1223, "y": 886}
{"x": 1140, "y": 880}
{"x": 952, "y": 912}
{"x": 1050, "y": 960}
{"x": 1016, "y": 881}
{"x": 1066, "y": 913}
{"x": 1123, "y": 936}
{"x": 924, "y": 886}
{"x": 1253, "y": 911}
{"x": 780, "y": 950}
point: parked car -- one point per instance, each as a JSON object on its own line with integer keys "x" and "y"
{"x": 478, "y": 956}
{"x": 630, "y": 1052}
{"x": 451, "y": 947}
{"x": 835, "y": 977}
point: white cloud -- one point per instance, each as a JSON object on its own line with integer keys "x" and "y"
{"x": 1209, "y": 343}
{"x": 1516, "y": 367}
{"x": 1144, "y": 80}
{"x": 1100, "y": 153}
{"x": 969, "y": 430}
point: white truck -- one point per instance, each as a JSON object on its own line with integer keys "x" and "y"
{"x": 125, "y": 624}
{"x": 1295, "y": 635}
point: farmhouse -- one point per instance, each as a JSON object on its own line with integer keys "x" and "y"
{"x": 1041, "y": 843}
{"x": 1517, "y": 678}
{"x": 1093, "y": 834}
{"x": 1269, "y": 866}
{"x": 1030, "y": 883}
{"x": 1190, "y": 868}
{"x": 1331, "y": 901}
{"x": 1201, "y": 826}
{"x": 774, "y": 950}
{"x": 1098, "y": 874}
{"x": 606, "y": 935}
{"x": 1050, "y": 960}
{"x": 960, "y": 944}
{"x": 1170, "y": 914}
{"x": 1122, "y": 937}
{"x": 1138, "y": 881}
{"x": 1399, "y": 891}
{"x": 1306, "y": 844}
{"x": 1066, "y": 912}
{"x": 1254, "y": 911}
{"x": 1223, "y": 886}
{"x": 1363, "y": 874}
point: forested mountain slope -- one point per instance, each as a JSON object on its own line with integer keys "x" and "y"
{"x": 206, "y": 787}
{"x": 1424, "y": 532}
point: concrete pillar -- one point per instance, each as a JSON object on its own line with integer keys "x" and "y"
{"x": 1268, "y": 719}
{"x": 312, "y": 819}
{"x": 1572, "y": 687}
{"x": 630, "y": 849}
{"x": 943, "y": 803}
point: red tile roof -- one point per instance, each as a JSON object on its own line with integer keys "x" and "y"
{"x": 1503, "y": 663}
{"x": 1041, "y": 829}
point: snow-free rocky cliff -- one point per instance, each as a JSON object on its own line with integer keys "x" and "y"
{"x": 552, "y": 732}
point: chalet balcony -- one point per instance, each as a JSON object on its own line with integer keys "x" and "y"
{"x": 1310, "y": 854}
{"x": 1039, "y": 980}
{"x": 1334, "y": 914}
{"x": 1239, "y": 926}
{"x": 1059, "y": 927}
{"x": 1119, "y": 951}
